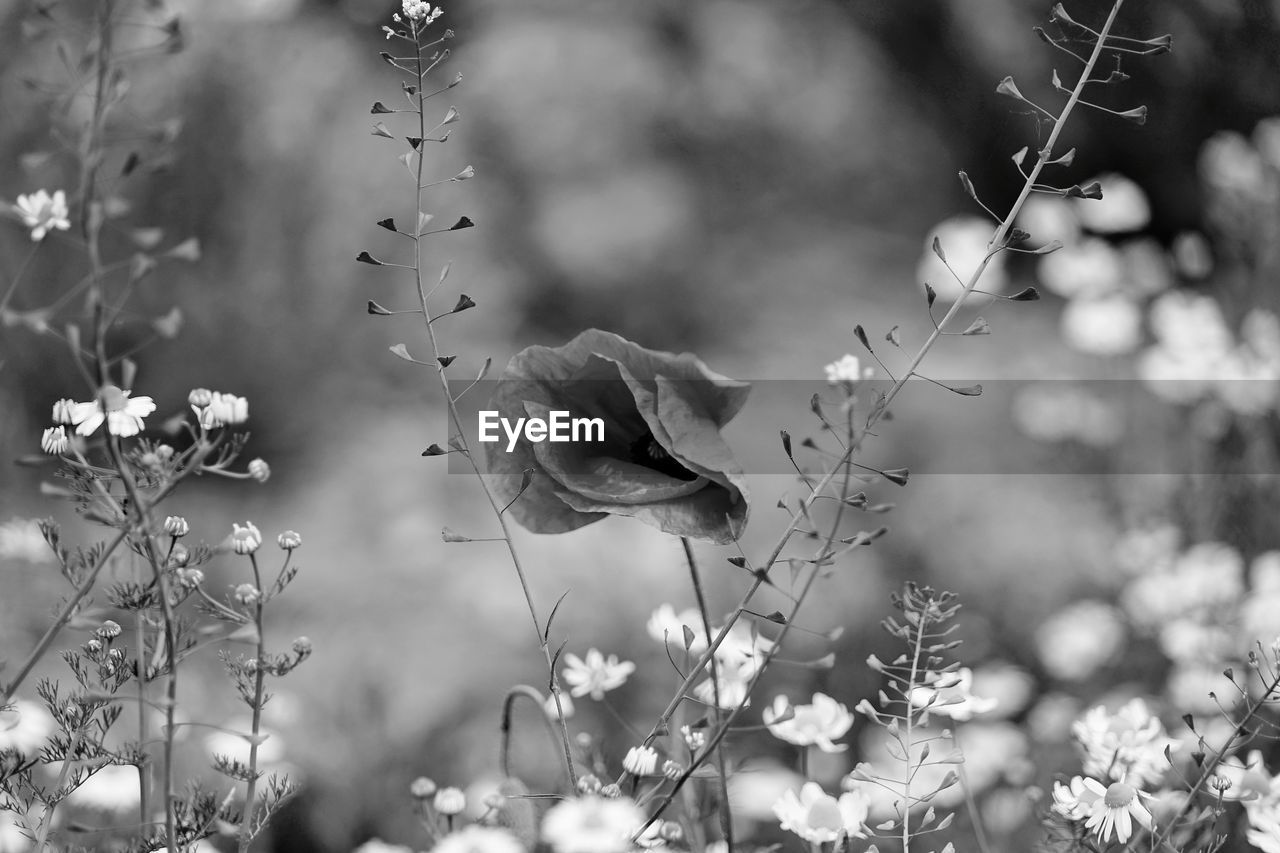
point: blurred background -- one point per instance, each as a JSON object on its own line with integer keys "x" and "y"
{"x": 746, "y": 179}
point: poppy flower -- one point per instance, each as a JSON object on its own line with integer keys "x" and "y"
{"x": 661, "y": 458}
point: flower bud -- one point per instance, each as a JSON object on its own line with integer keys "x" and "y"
{"x": 245, "y": 540}
{"x": 176, "y": 526}
{"x": 179, "y": 555}
{"x": 247, "y": 593}
{"x": 165, "y": 452}
{"x": 289, "y": 540}
{"x": 640, "y": 761}
{"x": 672, "y": 769}
{"x": 450, "y": 801}
{"x": 422, "y": 788}
{"x": 589, "y": 784}
{"x": 259, "y": 470}
{"x": 611, "y": 791}
{"x": 54, "y": 441}
{"x": 200, "y": 397}
{"x": 190, "y": 578}
{"x": 109, "y": 630}
{"x": 302, "y": 646}
{"x": 671, "y": 832}
{"x": 93, "y": 647}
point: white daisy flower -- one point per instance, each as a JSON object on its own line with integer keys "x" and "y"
{"x": 42, "y": 212}
{"x": 122, "y": 414}
{"x": 817, "y": 724}
{"x": 596, "y": 675}
{"x": 1115, "y": 810}
{"x": 818, "y": 817}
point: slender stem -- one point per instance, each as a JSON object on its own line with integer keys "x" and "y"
{"x": 456, "y": 419}
{"x": 508, "y": 708}
{"x": 140, "y": 677}
{"x": 17, "y": 277}
{"x": 259, "y": 679}
{"x": 726, "y": 818}
{"x": 909, "y": 723}
{"x": 46, "y": 819}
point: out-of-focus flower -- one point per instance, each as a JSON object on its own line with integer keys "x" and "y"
{"x": 1249, "y": 778}
{"x": 1075, "y": 800}
{"x": 122, "y": 414}
{"x": 1104, "y": 325}
{"x": 738, "y": 659}
{"x": 43, "y": 213}
{"x": 1059, "y": 411}
{"x": 1146, "y": 269}
{"x": 259, "y": 470}
{"x": 377, "y": 845}
{"x": 13, "y": 836}
{"x": 1207, "y": 576}
{"x": 1192, "y": 254}
{"x": 25, "y": 727}
{"x": 479, "y": 839}
{"x": 1264, "y": 832}
{"x": 818, "y": 817}
{"x": 1049, "y": 217}
{"x": 1193, "y": 346}
{"x": 449, "y": 801}
{"x": 290, "y": 540}
{"x": 247, "y": 594}
{"x": 596, "y": 675}
{"x": 818, "y": 724}
{"x": 1127, "y": 745}
{"x": 640, "y": 761}
{"x": 1088, "y": 269}
{"x": 1144, "y": 550}
{"x": 21, "y": 539}
{"x": 422, "y": 788}
{"x": 1123, "y": 206}
{"x": 1080, "y": 638}
{"x": 113, "y": 788}
{"x": 662, "y": 459}
{"x": 964, "y": 241}
{"x": 246, "y": 539}
{"x": 951, "y": 696}
{"x": 190, "y": 578}
{"x": 665, "y": 625}
{"x": 592, "y": 824}
{"x": 1119, "y": 805}
{"x": 756, "y": 787}
{"x": 566, "y": 706}
{"x": 847, "y": 369}
{"x": 1230, "y": 165}
{"x": 1009, "y": 687}
{"x": 229, "y": 743}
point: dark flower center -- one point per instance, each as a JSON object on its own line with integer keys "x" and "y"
{"x": 646, "y": 451}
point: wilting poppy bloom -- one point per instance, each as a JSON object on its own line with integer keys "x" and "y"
{"x": 661, "y": 457}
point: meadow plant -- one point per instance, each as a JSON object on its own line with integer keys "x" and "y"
{"x": 679, "y": 783}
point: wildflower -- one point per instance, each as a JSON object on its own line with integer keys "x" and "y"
{"x": 224, "y": 410}
{"x": 422, "y": 788}
{"x": 377, "y": 845}
{"x": 597, "y": 674}
{"x": 199, "y": 397}
{"x": 112, "y": 788}
{"x": 1105, "y": 326}
{"x": 592, "y": 825}
{"x": 449, "y": 801}
{"x": 640, "y": 761}
{"x": 847, "y": 369}
{"x": 417, "y": 10}
{"x": 259, "y": 470}
{"x": 301, "y": 646}
{"x": 179, "y": 555}
{"x": 611, "y": 791}
{"x": 818, "y": 817}
{"x": 479, "y": 839}
{"x": 122, "y": 414}
{"x": 176, "y": 526}
{"x": 247, "y": 593}
{"x": 672, "y": 769}
{"x": 817, "y": 724}
{"x": 664, "y": 461}
{"x": 589, "y": 784}
{"x": 667, "y": 626}
{"x": 245, "y": 540}
{"x": 1117, "y": 806}
{"x": 1088, "y": 269}
{"x": 1079, "y": 639}
{"x": 24, "y": 727}
{"x": 42, "y": 212}
{"x": 694, "y": 739}
{"x": 738, "y": 660}
{"x": 950, "y": 696}
{"x": 964, "y": 241}
{"x": 1128, "y": 745}
{"x": 190, "y": 578}
{"x": 1122, "y": 208}
{"x": 54, "y": 441}
{"x": 566, "y": 706}
{"x": 289, "y": 540}
{"x": 1264, "y": 832}
{"x": 62, "y": 411}
{"x": 1075, "y": 800}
